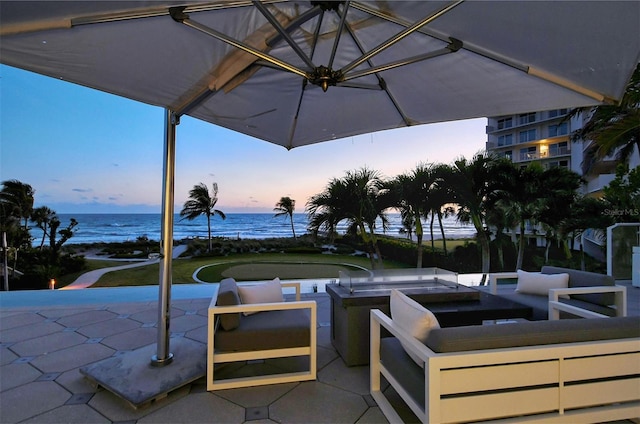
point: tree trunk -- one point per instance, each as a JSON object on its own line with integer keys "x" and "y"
{"x": 44, "y": 235}
{"x": 433, "y": 243}
{"x": 419, "y": 235}
{"x": 444, "y": 239}
{"x": 484, "y": 246}
{"x": 520, "y": 247}
{"x": 5, "y": 264}
{"x": 546, "y": 251}
{"x": 209, "y": 231}
{"x": 367, "y": 243}
{"x": 293, "y": 230}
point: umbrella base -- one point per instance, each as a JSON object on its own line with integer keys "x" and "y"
{"x": 133, "y": 377}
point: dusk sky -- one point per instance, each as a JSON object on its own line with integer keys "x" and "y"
{"x": 84, "y": 151}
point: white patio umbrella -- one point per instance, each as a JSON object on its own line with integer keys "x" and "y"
{"x": 300, "y": 72}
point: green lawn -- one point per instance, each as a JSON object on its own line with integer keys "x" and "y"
{"x": 243, "y": 267}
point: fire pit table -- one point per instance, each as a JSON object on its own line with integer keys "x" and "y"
{"x": 356, "y": 293}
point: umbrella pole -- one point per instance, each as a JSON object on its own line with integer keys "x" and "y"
{"x": 163, "y": 356}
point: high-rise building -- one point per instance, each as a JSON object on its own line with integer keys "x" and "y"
{"x": 545, "y": 137}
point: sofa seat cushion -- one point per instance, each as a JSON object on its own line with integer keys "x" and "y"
{"x": 579, "y": 278}
{"x": 458, "y": 339}
{"x": 539, "y": 304}
{"x": 267, "y": 330}
{"x": 403, "y": 368}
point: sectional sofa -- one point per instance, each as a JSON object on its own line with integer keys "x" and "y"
{"x": 575, "y": 370}
{"x": 583, "y": 294}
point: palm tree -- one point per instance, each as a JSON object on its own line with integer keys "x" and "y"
{"x": 357, "y": 198}
{"x": 585, "y": 213}
{"x": 412, "y": 193}
{"x": 559, "y": 193}
{"x": 518, "y": 193}
{"x": 325, "y": 209}
{"x": 285, "y": 207}
{"x": 365, "y": 187}
{"x": 43, "y": 216}
{"x": 441, "y": 197}
{"x": 201, "y": 202}
{"x": 16, "y": 201}
{"x": 501, "y": 219}
{"x": 472, "y": 182}
{"x": 613, "y": 128}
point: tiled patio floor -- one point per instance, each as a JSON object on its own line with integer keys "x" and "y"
{"x": 43, "y": 345}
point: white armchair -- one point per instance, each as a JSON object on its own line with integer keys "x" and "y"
{"x": 261, "y": 336}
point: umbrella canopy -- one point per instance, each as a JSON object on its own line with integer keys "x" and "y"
{"x": 301, "y": 72}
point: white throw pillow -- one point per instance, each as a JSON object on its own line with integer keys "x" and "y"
{"x": 413, "y": 318}
{"x": 261, "y": 293}
{"x": 536, "y": 283}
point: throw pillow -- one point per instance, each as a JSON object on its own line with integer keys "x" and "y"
{"x": 539, "y": 284}
{"x": 413, "y": 318}
{"x": 261, "y": 293}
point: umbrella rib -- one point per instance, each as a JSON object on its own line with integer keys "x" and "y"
{"x": 295, "y": 24}
{"x": 292, "y": 130}
{"x": 453, "y": 47}
{"x": 336, "y": 40}
{"x": 283, "y": 32}
{"x": 180, "y": 17}
{"x": 490, "y": 55}
{"x": 381, "y": 81}
{"x": 399, "y": 36}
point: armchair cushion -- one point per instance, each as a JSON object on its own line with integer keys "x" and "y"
{"x": 539, "y": 284}
{"x": 269, "y": 292}
{"x": 228, "y": 296}
{"x": 412, "y": 318}
{"x": 269, "y": 330}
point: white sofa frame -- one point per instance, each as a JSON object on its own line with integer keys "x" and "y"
{"x": 558, "y": 383}
{"x": 555, "y": 305}
{"x": 214, "y": 357}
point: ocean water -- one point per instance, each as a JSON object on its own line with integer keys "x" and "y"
{"x": 93, "y": 228}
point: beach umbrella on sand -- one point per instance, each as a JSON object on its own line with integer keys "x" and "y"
{"x": 301, "y": 72}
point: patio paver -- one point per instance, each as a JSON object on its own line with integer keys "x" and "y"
{"x": 41, "y": 383}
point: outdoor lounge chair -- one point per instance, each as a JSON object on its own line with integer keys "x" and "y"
{"x": 259, "y": 331}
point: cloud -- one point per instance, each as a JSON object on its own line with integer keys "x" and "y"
{"x": 82, "y": 190}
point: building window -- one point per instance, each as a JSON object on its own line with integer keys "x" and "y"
{"x": 558, "y": 164}
{"x": 558, "y": 149}
{"x": 527, "y": 118}
{"x": 505, "y": 140}
{"x": 505, "y": 123}
{"x": 528, "y": 153}
{"x": 559, "y": 129}
{"x": 557, "y": 112}
{"x": 509, "y": 155}
{"x": 528, "y": 135}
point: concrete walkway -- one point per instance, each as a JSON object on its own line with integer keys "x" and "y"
{"x": 89, "y": 278}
